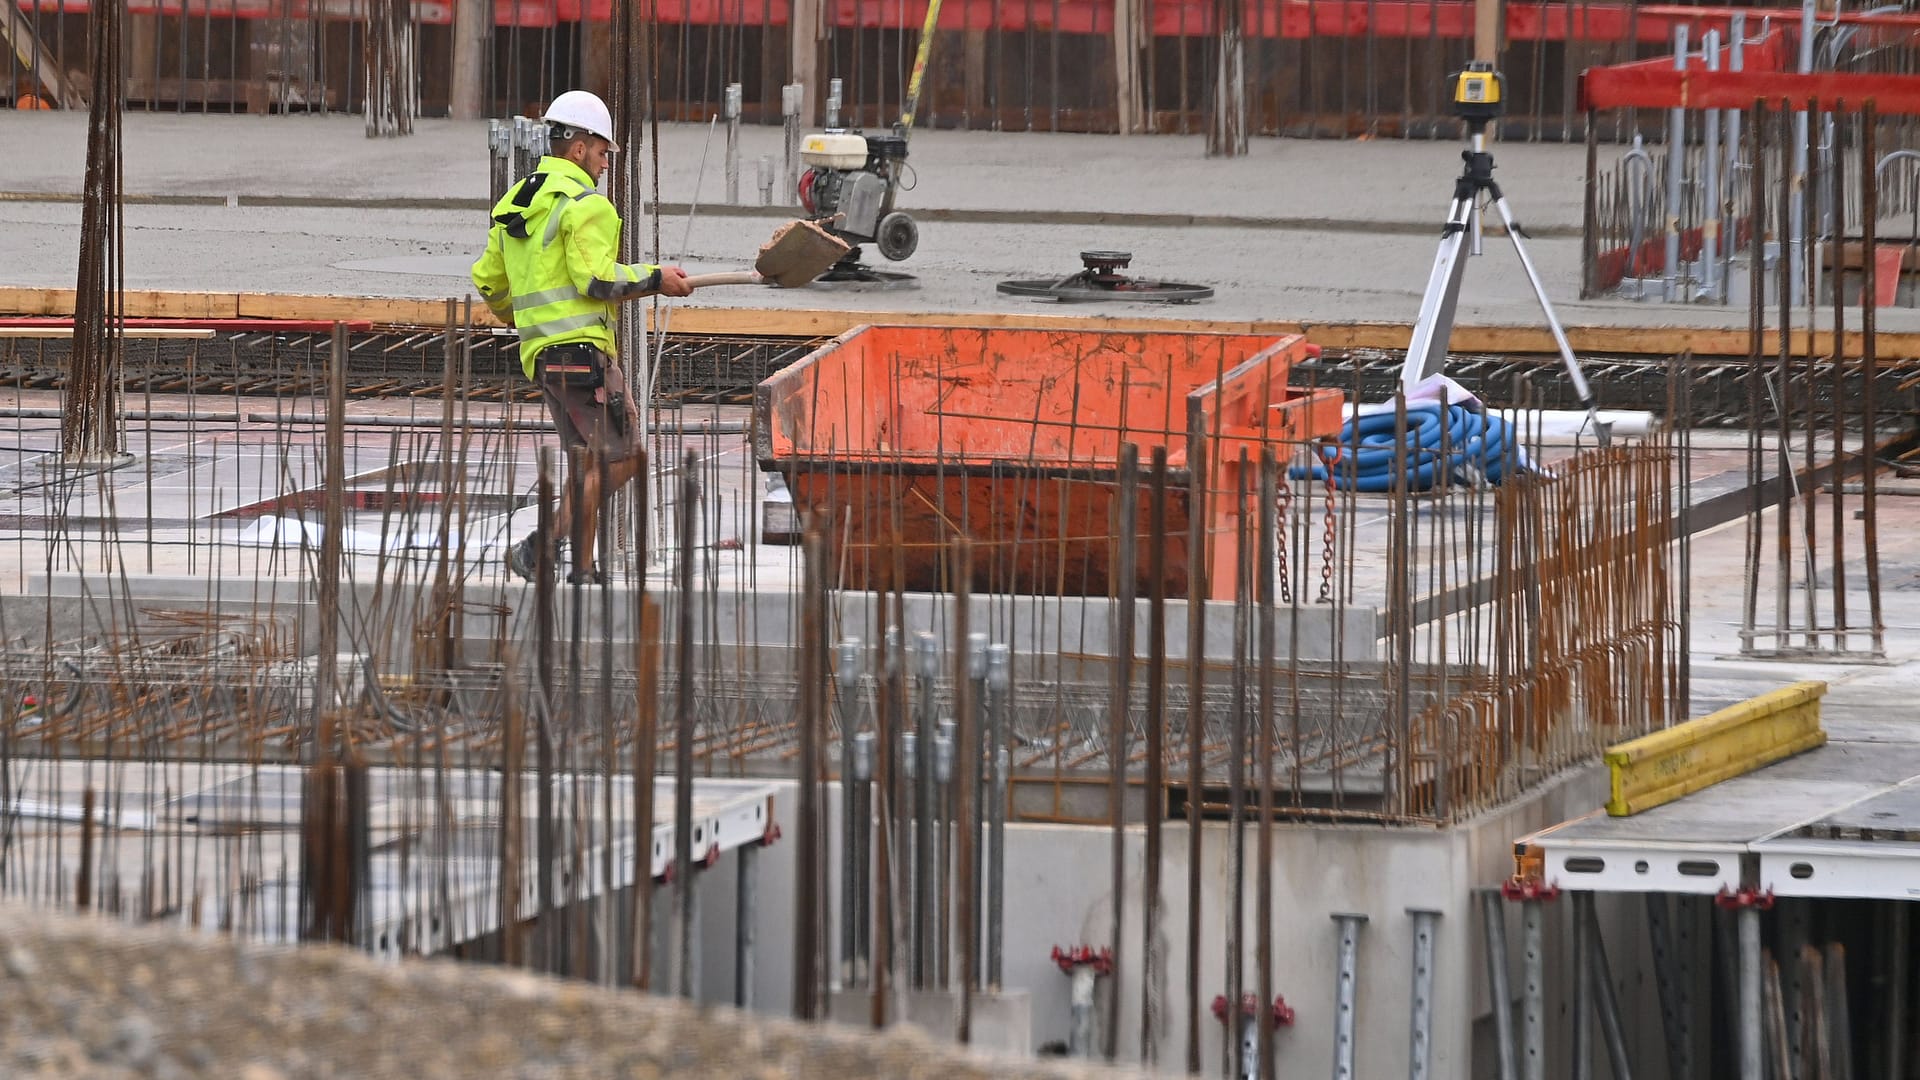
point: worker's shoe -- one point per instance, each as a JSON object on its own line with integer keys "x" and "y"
{"x": 591, "y": 575}
{"x": 523, "y": 558}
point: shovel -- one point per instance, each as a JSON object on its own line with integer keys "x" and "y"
{"x": 798, "y": 252}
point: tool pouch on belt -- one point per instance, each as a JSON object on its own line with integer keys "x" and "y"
{"x": 574, "y": 367}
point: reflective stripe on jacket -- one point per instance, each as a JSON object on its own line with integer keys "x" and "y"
{"x": 552, "y": 263}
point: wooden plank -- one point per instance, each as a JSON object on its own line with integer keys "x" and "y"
{"x": 152, "y": 303}
{"x": 1661, "y": 767}
{"x": 387, "y": 311}
{"x": 131, "y": 332}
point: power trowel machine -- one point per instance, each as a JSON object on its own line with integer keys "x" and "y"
{"x": 852, "y": 178}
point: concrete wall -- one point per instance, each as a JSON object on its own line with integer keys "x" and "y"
{"x": 1058, "y": 893}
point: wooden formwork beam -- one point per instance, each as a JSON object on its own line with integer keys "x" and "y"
{"x": 1666, "y": 765}
{"x": 810, "y": 322}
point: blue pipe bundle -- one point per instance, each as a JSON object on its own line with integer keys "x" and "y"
{"x": 1364, "y": 459}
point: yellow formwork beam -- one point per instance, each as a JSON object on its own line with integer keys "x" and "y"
{"x": 1665, "y": 765}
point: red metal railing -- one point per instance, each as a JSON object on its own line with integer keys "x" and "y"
{"x": 1286, "y": 20}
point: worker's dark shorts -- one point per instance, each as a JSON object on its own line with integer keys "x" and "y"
{"x": 584, "y": 413}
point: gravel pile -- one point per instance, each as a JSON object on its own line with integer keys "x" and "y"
{"x": 83, "y": 997}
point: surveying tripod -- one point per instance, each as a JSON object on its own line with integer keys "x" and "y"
{"x": 1478, "y": 98}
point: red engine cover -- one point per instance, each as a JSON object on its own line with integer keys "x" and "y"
{"x": 806, "y": 190}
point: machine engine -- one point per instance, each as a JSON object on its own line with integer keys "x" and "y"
{"x": 849, "y": 186}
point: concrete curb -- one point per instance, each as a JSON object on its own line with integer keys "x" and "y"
{"x": 955, "y": 215}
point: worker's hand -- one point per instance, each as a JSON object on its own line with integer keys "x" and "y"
{"x": 673, "y": 282}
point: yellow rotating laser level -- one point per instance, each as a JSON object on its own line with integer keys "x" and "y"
{"x": 1479, "y": 93}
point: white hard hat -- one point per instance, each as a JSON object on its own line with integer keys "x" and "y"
{"x": 583, "y": 110}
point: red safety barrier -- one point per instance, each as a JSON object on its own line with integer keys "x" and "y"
{"x": 1635, "y": 87}
{"x": 1285, "y": 19}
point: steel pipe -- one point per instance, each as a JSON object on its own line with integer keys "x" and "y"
{"x": 1346, "y": 993}
{"x": 1752, "y": 1062}
{"x": 1420, "y": 1022}
{"x": 745, "y": 913}
{"x": 1533, "y": 1018}
{"x": 1608, "y": 1004}
{"x": 1493, "y": 916}
{"x": 1676, "y": 168}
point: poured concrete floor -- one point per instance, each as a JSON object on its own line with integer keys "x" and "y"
{"x": 1297, "y": 230}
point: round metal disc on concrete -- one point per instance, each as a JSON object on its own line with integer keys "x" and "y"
{"x": 1084, "y": 288}
{"x": 864, "y": 278}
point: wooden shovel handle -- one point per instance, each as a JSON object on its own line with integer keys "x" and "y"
{"x": 731, "y": 277}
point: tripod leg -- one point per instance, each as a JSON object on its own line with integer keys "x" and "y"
{"x": 1574, "y": 373}
{"x": 1427, "y": 350}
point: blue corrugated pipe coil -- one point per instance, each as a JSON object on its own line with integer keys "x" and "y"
{"x": 1476, "y": 445}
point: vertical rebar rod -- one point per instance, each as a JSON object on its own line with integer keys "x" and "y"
{"x": 1125, "y": 575}
{"x": 810, "y": 872}
{"x": 860, "y": 899}
{"x": 646, "y": 666}
{"x": 1869, "y": 369}
{"x": 966, "y": 775}
{"x": 1346, "y": 994}
{"x": 1237, "y": 759}
{"x": 1196, "y": 714}
{"x": 1265, "y": 746}
{"x": 1806, "y": 504}
{"x": 684, "y": 730}
{"x": 979, "y": 788}
{"x": 889, "y": 720}
{"x": 1000, "y": 686}
{"x": 1788, "y": 504}
{"x": 1756, "y": 371}
{"x": 847, "y": 679}
{"x": 545, "y": 842}
{"x": 925, "y": 925}
{"x": 1493, "y": 921}
{"x": 1151, "y": 969}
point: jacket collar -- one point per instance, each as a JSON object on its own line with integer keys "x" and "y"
{"x": 560, "y": 166}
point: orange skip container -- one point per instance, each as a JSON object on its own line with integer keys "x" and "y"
{"x": 894, "y": 440}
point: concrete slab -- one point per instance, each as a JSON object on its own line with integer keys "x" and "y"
{"x": 1316, "y": 231}
{"x": 433, "y": 842}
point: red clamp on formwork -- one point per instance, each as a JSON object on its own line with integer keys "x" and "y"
{"x": 713, "y": 857}
{"x": 1249, "y": 1006}
{"x": 1074, "y": 956}
{"x": 1528, "y": 889}
{"x": 771, "y": 836}
{"x": 1745, "y": 898}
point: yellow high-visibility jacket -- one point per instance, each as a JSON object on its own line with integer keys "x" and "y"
{"x": 552, "y": 264}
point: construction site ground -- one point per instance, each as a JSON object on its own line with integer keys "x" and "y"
{"x": 1325, "y": 234}
{"x": 1314, "y": 231}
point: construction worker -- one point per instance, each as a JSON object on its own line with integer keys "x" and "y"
{"x": 552, "y": 269}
